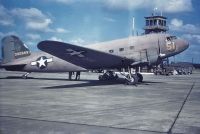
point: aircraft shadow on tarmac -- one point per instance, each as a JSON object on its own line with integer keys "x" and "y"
{"x": 19, "y": 77}
{"x": 90, "y": 83}
{"x": 87, "y": 83}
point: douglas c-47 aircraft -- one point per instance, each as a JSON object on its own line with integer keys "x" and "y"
{"x": 56, "y": 56}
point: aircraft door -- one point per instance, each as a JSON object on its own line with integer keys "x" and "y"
{"x": 143, "y": 55}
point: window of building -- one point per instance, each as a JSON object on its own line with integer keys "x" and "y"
{"x": 121, "y": 49}
{"x": 147, "y": 22}
{"x": 164, "y": 23}
{"x": 160, "y": 22}
{"x": 151, "y": 22}
{"x": 155, "y": 22}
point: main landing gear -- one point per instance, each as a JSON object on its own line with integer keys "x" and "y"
{"x": 25, "y": 75}
{"x": 133, "y": 79}
{"x": 109, "y": 75}
{"x": 130, "y": 79}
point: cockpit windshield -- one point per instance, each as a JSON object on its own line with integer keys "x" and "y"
{"x": 170, "y": 38}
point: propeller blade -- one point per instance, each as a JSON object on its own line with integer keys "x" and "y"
{"x": 159, "y": 50}
{"x": 159, "y": 47}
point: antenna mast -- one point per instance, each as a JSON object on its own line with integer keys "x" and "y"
{"x": 133, "y": 27}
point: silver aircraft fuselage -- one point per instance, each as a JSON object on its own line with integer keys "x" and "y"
{"x": 139, "y": 48}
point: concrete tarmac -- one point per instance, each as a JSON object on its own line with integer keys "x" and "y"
{"x": 51, "y": 104}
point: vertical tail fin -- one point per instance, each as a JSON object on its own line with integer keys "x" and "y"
{"x": 13, "y": 48}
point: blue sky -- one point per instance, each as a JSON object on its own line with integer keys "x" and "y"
{"x": 85, "y": 22}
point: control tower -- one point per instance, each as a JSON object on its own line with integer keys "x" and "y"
{"x": 155, "y": 24}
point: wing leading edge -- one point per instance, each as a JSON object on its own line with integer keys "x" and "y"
{"x": 84, "y": 57}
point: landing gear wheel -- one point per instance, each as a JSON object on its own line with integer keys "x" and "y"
{"x": 140, "y": 77}
{"x": 133, "y": 80}
{"x": 101, "y": 78}
{"x": 109, "y": 75}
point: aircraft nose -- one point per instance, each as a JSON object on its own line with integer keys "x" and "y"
{"x": 181, "y": 45}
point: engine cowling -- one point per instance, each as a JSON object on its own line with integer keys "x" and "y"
{"x": 152, "y": 56}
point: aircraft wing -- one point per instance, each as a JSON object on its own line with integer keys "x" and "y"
{"x": 82, "y": 56}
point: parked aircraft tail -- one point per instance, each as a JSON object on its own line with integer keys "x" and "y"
{"x": 13, "y": 48}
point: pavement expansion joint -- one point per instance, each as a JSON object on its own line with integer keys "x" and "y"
{"x": 180, "y": 110}
{"x": 119, "y": 128}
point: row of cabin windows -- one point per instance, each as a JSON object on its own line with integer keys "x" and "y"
{"x": 121, "y": 49}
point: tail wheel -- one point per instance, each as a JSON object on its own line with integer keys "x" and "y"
{"x": 24, "y": 77}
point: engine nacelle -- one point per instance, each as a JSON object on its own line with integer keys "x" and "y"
{"x": 152, "y": 56}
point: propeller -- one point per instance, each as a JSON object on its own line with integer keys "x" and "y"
{"x": 160, "y": 55}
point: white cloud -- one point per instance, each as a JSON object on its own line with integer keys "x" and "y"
{"x": 8, "y": 33}
{"x": 33, "y": 36}
{"x": 62, "y": 1}
{"x": 56, "y": 39}
{"x": 170, "y": 6}
{"x": 34, "y": 18}
{"x": 192, "y": 37}
{"x": 40, "y": 25}
{"x": 109, "y": 19}
{"x": 190, "y": 28}
{"x": 78, "y": 41}
{"x": 6, "y": 18}
{"x": 30, "y": 43}
{"x": 178, "y": 25}
{"x": 177, "y": 6}
{"x": 176, "y": 22}
{"x": 127, "y": 4}
{"x": 61, "y": 30}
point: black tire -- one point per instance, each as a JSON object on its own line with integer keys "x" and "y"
{"x": 132, "y": 81}
{"x": 116, "y": 77}
{"x": 140, "y": 77}
{"x": 101, "y": 77}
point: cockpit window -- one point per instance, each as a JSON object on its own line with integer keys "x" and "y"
{"x": 170, "y": 38}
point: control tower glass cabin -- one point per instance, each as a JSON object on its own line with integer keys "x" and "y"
{"x": 155, "y": 24}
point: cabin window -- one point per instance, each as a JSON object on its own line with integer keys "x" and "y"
{"x": 121, "y": 49}
{"x": 111, "y": 51}
{"x": 131, "y": 47}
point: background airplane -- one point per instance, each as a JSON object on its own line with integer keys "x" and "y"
{"x": 64, "y": 57}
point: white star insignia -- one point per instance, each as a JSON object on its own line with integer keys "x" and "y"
{"x": 41, "y": 62}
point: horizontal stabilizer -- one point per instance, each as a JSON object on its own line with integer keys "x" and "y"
{"x": 13, "y": 67}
